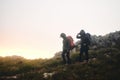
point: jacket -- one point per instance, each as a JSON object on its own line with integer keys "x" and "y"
{"x": 66, "y": 44}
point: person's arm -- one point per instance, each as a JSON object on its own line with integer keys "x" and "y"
{"x": 78, "y": 35}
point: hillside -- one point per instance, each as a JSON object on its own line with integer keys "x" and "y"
{"x": 103, "y": 64}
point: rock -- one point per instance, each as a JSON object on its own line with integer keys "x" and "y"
{"x": 47, "y": 75}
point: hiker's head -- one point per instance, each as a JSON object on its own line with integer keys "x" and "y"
{"x": 82, "y": 32}
{"x": 63, "y": 35}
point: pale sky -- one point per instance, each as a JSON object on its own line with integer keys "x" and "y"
{"x": 31, "y": 28}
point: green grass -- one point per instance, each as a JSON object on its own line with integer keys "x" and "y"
{"x": 102, "y": 68}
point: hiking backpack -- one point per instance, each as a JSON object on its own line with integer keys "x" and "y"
{"x": 72, "y": 45}
{"x": 88, "y": 38}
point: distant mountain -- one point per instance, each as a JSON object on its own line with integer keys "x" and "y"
{"x": 13, "y": 57}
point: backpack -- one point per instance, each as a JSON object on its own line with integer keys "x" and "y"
{"x": 88, "y": 38}
{"x": 72, "y": 45}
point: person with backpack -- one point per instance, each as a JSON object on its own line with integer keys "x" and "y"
{"x": 66, "y": 49}
{"x": 85, "y": 42}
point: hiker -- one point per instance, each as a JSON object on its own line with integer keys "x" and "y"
{"x": 84, "y": 45}
{"x": 66, "y": 49}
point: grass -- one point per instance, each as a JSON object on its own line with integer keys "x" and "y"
{"x": 105, "y": 66}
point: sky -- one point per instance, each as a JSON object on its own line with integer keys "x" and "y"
{"x": 31, "y": 28}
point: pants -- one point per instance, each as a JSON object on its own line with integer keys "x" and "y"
{"x": 84, "y": 49}
{"x": 66, "y": 57}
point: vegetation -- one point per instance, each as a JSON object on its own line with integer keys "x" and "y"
{"x": 103, "y": 65}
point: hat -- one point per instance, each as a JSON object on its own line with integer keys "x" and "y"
{"x": 82, "y": 32}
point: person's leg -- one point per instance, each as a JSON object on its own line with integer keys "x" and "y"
{"x": 68, "y": 57}
{"x": 63, "y": 56}
{"x": 80, "y": 55}
{"x": 86, "y": 54}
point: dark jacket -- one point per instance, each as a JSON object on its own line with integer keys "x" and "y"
{"x": 84, "y": 40}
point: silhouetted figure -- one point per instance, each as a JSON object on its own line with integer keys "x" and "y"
{"x": 84, "y": 45}
{"x": 66, "y": 49}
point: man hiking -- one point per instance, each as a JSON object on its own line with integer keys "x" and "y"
{"x": 84, "y": 45}
{"x": 66, "y": 49}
